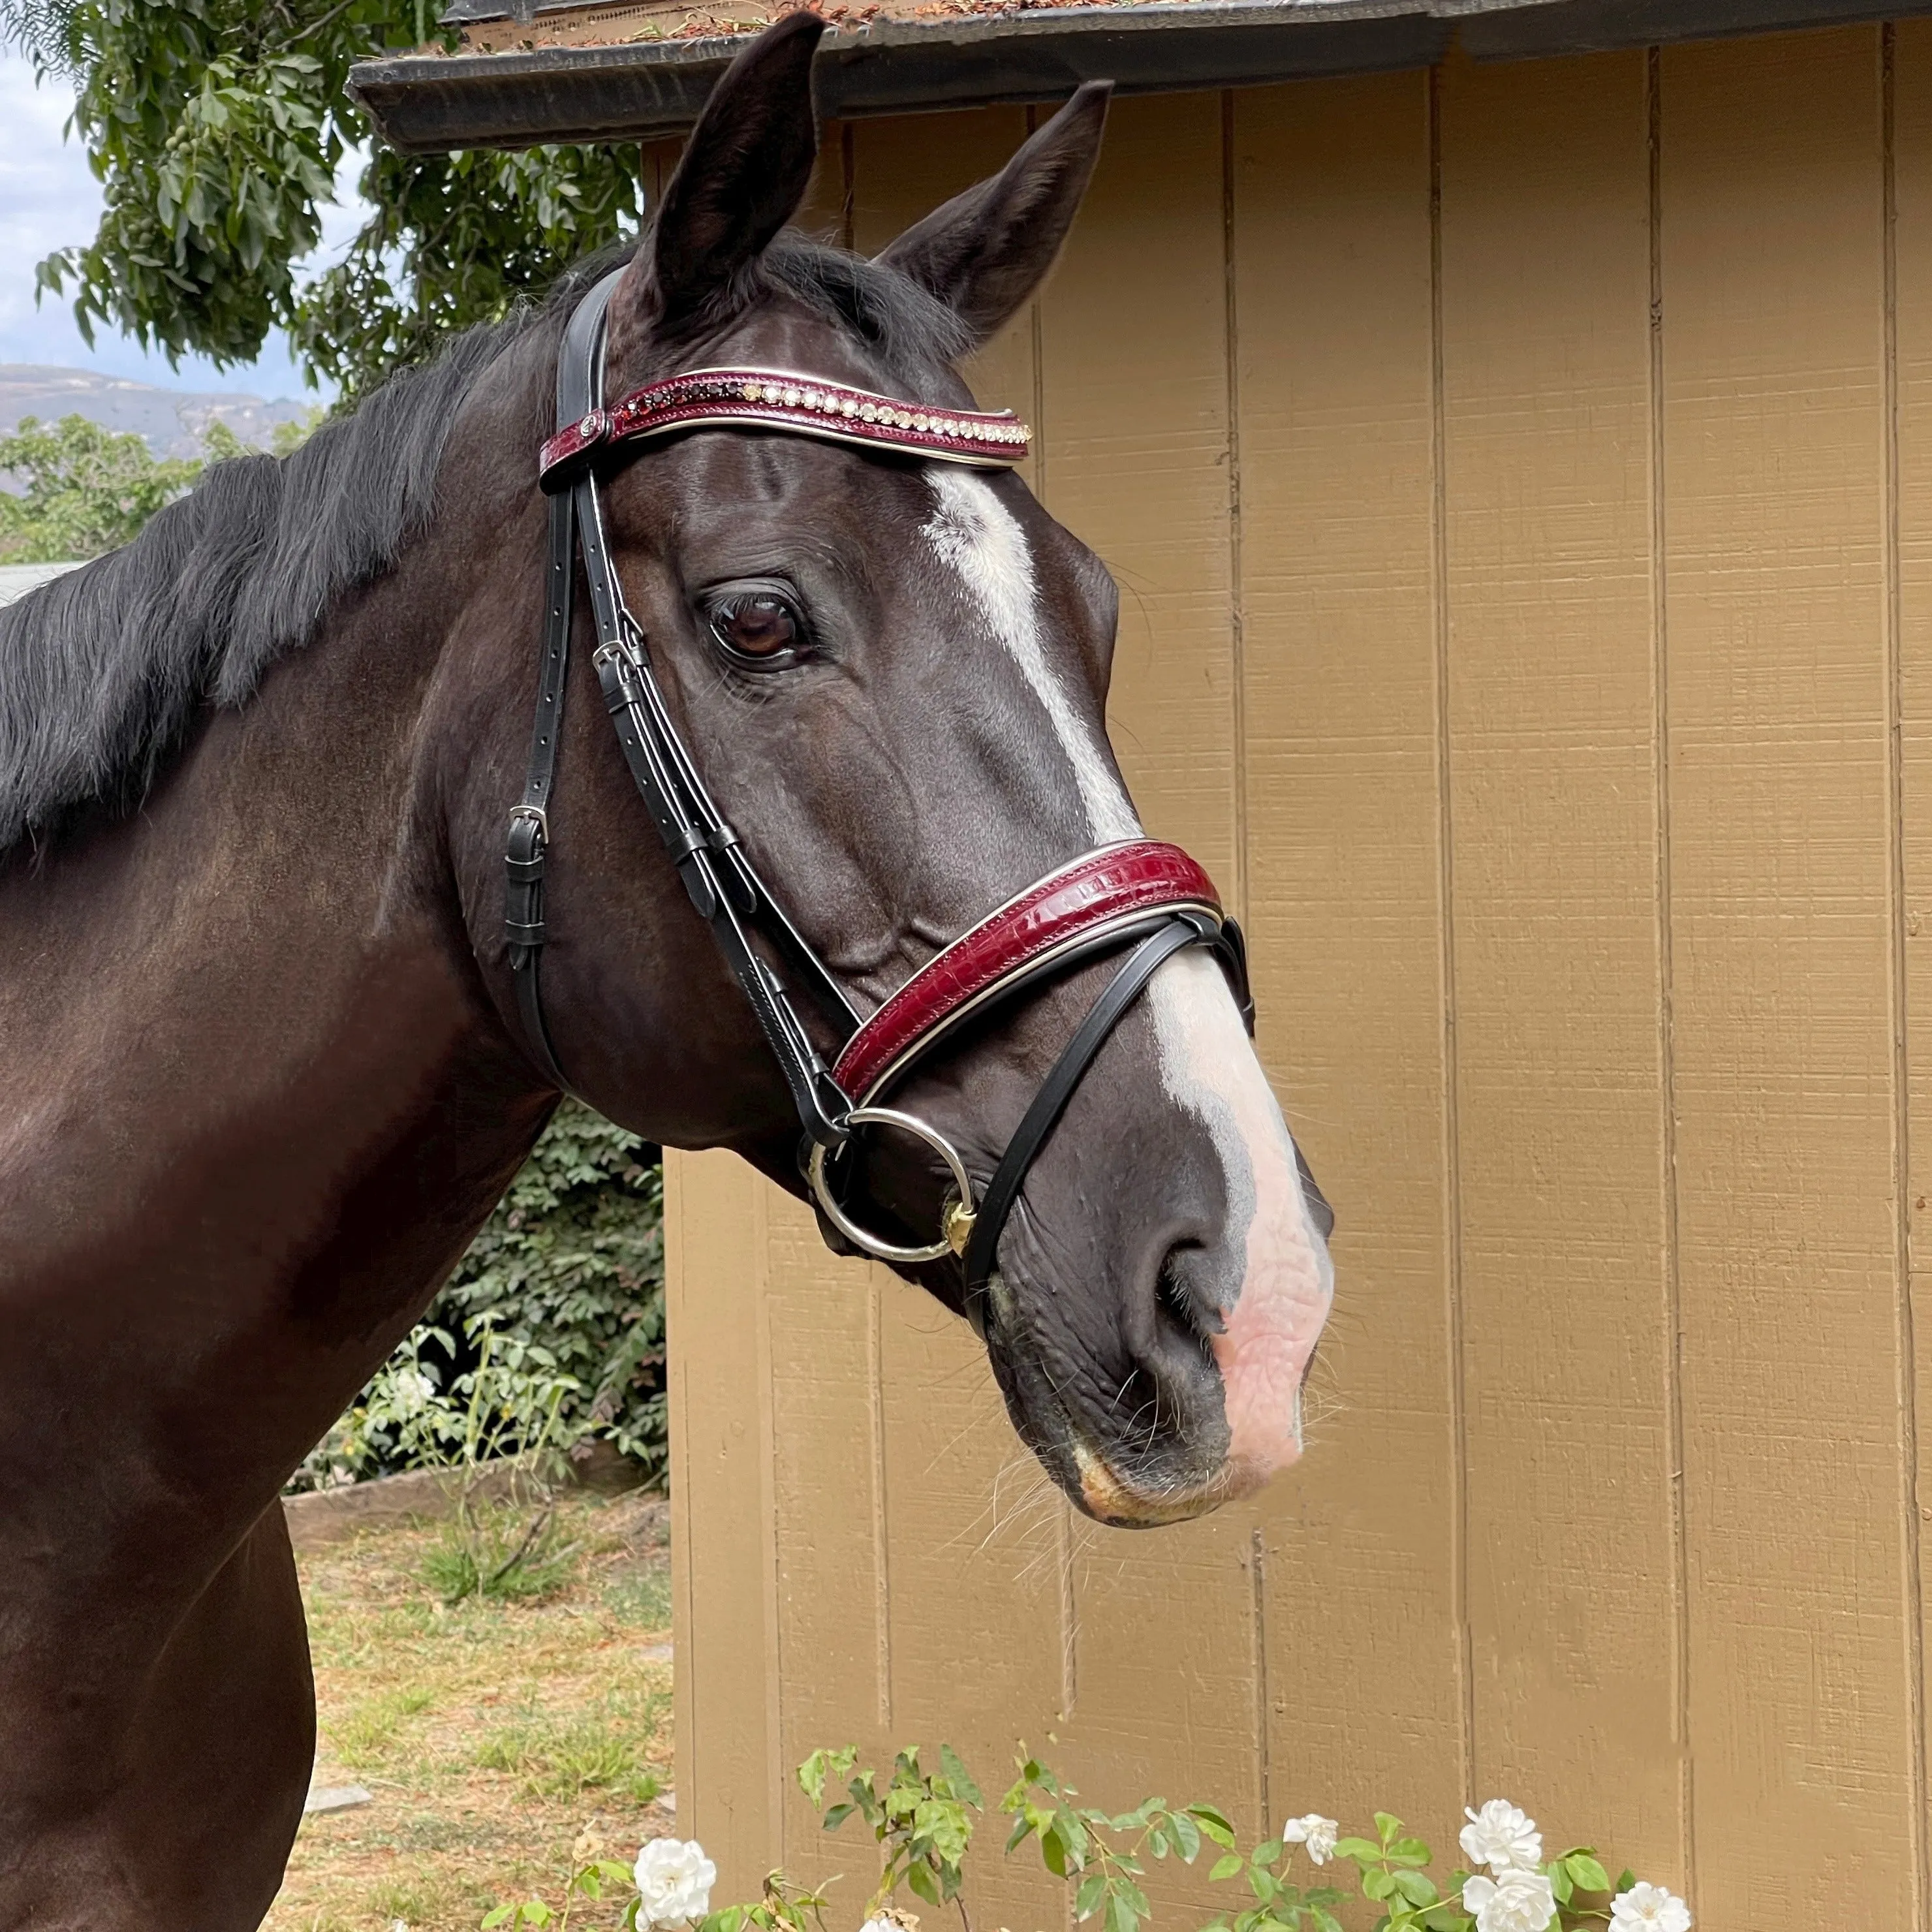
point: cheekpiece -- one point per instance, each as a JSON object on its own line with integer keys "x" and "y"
{"x": 781, "y": 399}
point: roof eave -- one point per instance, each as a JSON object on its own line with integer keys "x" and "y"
{"x": 432, "y": 103}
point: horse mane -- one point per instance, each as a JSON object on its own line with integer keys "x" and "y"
{"x": 104, "y": 671}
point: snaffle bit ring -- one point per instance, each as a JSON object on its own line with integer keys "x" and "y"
{"x": 957, "y": 1215}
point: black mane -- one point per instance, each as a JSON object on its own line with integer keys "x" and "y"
{"x": 104, "y": 671}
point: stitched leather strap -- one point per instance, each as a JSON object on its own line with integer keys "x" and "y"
{"x": 801, "y": 405}
{"x": 578, "y": 376}
{"x": 1183, "y": 929}
{"x": 1095, "y": 901}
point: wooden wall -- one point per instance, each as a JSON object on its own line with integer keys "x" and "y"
{"x": 1519, "y": 479}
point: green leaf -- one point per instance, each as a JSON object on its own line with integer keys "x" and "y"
{"x": 1214, "y": 1824}
{"x": 497, "y": 1918}
{"x": 1022, "y": 1826}
{"x": 1071, "y": 1833}
{"x": 1388, "y": 1825}
{"x": 1228, "y": 1866}
{"x": 1415, "y": 1888}
{"x": 1125, "y": 1909}
{"x": 1186, "y": 1835}
{"x": 1356, "y": 1848}
{"x": 1626, "y": 1880}
{"x": 1559, "y": 1882}
{"x": 1086, "y": 1899}
{"x": 921, "y": 1880}
{"x": 959, "y": 1776}
{"x": 1377, "y": 1884}
{"x": 1586, "y": 1872}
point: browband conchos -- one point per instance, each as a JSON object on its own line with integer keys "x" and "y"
{"x": 781, "y": 399}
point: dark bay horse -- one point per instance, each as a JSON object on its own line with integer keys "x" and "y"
{"x": 263, "y": 1068}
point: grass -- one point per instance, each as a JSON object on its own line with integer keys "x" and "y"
{"x": 491, "y": 1731}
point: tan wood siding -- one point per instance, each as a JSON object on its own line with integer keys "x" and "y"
{"x": 1519, "y": 479}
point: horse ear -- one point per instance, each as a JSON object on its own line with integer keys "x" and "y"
{"x": 744, "y": 172}
{"x": 986, "y": 250}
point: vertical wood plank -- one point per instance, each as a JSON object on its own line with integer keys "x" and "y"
{"x": 1333, "y": 314}
{"x": 1546, "y": 360}
{"x": 722, "y": 1518}
{"x": 1774, "y": 329}
{"x": 1911, "y": 533}
{"x": 832, "y": 1638}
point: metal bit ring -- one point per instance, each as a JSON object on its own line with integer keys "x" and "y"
{"x": 959, "y": 1210}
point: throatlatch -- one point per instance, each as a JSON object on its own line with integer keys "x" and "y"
{"x": 1140, "y": 894}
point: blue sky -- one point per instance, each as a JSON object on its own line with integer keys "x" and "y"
{"x": 49, "y": 198}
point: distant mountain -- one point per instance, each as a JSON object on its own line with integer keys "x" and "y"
{"x": 173, "y": 421}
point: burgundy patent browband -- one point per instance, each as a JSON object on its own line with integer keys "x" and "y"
{"x": 802, "y": 405}
{"x": 1140, "y": 897}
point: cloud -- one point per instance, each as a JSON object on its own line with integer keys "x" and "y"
{"x": 49, "y": 198}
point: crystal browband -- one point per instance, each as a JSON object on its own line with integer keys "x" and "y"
{"x": 706, "y": 398}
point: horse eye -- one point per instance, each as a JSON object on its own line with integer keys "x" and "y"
{"x": 758, "y": 625}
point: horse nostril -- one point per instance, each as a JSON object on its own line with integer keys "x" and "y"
{"x": 1179, "y": 1300}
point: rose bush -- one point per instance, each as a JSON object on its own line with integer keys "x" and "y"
{"x": 923, "y": 1824}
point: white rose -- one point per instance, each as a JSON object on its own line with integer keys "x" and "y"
{"x": 1519, "y": 1901}
{"x": 1316, "y": 1832}
{"x": 1500, "y": 1837}
{"x": 1649, "y": 1908}
{"x": 674, "y": 1882}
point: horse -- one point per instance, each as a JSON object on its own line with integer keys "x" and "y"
{"x": 275, "y": 1041}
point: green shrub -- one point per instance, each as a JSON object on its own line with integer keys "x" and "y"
{"x": 550, "y": 1331}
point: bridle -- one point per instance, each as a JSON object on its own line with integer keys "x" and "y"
{"x": 1140, "y": 894}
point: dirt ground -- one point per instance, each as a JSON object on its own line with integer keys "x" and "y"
{"x": 490, "y": 1735}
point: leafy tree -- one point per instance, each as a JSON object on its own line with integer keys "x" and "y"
{"x": 216, "y": 127}
{"x": 79, "y": 490}
{"x": 82, "y": 489}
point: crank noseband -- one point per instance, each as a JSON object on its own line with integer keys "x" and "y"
{"x": 1141, "y": 898}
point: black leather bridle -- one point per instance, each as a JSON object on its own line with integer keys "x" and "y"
{"x": 1151, "y": 897}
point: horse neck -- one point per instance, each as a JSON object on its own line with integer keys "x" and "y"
{"x": 251, "y": 1072}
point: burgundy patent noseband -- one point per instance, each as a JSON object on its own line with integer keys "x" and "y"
{"x": 1142, "y": 895}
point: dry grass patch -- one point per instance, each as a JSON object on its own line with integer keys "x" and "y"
{"x": 490, "y": 1733}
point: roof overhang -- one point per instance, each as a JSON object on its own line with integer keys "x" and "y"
{"x": 644, "y": 89}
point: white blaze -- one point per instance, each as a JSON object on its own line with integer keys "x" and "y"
{"x": 1207, "y": 1063}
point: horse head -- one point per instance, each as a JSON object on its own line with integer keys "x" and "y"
{"x": 888, "y": 669}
